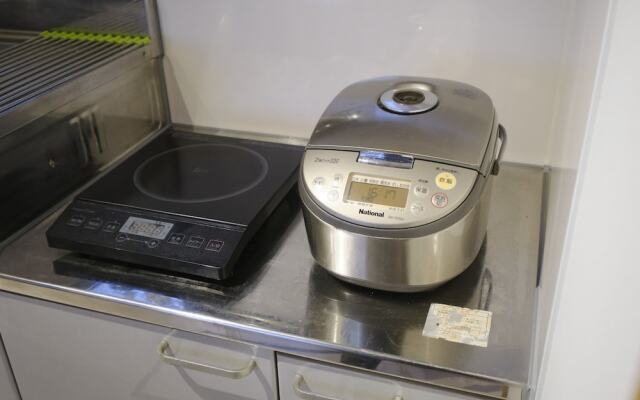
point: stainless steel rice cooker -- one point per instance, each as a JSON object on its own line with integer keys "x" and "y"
{"x": 396, "y": 181}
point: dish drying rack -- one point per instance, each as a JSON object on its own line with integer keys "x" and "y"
{"x": 53, "y": 57}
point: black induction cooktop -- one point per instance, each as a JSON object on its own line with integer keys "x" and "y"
{"x": 184, "y": 202}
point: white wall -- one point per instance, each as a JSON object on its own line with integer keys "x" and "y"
{"x": 582, "y": 50}
{"x": 593, "y": 348}
{"x": 273, "y": 66}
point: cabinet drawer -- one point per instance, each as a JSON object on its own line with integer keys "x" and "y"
{"x": 63, "y": 353}
{"x": 309, "y": 380}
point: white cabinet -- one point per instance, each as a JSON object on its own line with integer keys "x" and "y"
{"x": 308, "y": 380}
{"x": 63, "y": 353}
{"x": 8, "y": 389}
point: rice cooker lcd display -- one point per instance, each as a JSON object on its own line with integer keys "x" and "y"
{"x": 378, "y": 190}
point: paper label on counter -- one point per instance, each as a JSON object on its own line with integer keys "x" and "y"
{"x": 457, "y": 324}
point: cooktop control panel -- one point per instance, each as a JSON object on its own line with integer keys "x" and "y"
{"x": 384, "y": 190}
{"x": 167, "y": 241}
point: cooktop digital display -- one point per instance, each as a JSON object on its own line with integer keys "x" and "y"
{"x": 146, "y": 227}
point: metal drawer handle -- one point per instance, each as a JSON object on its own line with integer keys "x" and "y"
{"x": 83, "y": 146}
{"x": 95, "y": 129}
{"x": 227, "y": 373}
{"x": 502, "y": 135}
{"x": 307, "y": 395}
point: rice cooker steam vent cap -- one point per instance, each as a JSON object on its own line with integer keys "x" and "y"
{"x": 408, "y": 98}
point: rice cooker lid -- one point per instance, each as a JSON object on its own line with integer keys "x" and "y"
{"x": 431, "y": 119}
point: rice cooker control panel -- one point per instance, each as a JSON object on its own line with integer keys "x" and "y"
{"x": 384, "y": 190}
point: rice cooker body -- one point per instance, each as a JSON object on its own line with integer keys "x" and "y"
{"x": 389, "y": 202}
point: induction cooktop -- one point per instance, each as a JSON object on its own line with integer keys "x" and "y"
{"x": 185, "y": 202}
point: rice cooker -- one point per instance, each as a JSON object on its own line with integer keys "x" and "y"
{"x": 396, "y": 181}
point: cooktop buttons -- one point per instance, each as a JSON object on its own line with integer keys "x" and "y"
{"x": 175, "y": 238}
{"x": 110, "y": 227}
{"x": 417, "y": 208}
{"x": 75, "y": 220}
{"x": 421, "y": 190}
{"x": 121, "y": 237}
{"x": 152, "y": 244}
{"x": 94, "y": 224}
{"x": 446, "y": 180}
{"x": 439, "y": 200}
{"x": 195, "y": 242}
{"x": 214, "y": 245}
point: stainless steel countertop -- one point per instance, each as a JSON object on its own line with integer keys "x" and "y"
{"x": 286, "y": 302}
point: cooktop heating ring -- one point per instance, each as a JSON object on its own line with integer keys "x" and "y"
{"x": 207, "y": 165}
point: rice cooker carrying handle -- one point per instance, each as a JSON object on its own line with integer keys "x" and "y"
{"x": 502, "y": 134}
